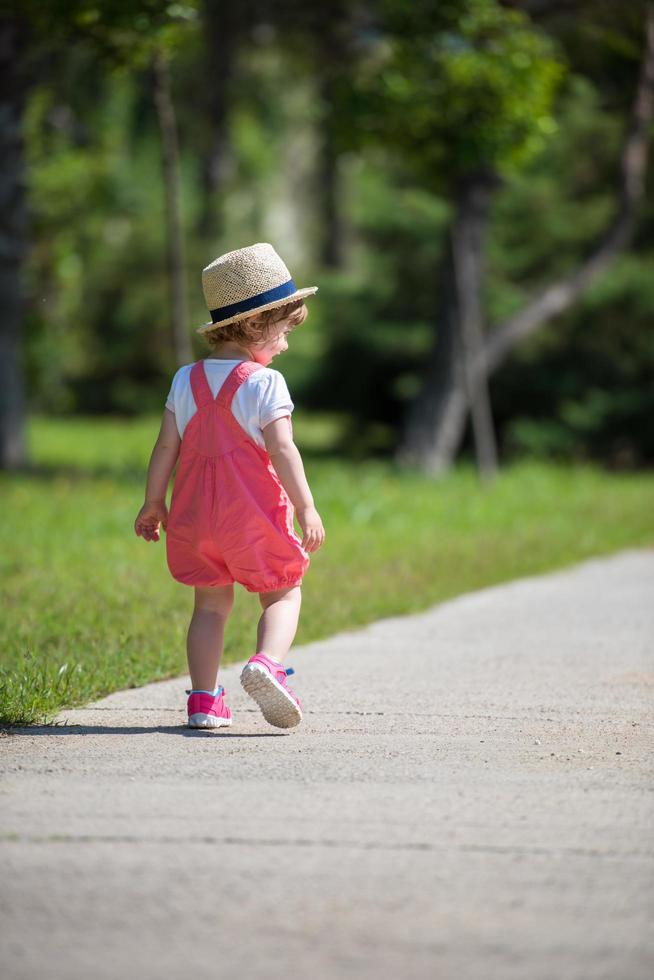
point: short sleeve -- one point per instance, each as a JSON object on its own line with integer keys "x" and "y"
{"x": 170, "y": 400}
{"x": 274, "y": 399}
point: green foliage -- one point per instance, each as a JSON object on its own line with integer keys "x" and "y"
{"x": 376, "y": 317}
{"x": 462, "y": 87}
{"x": 583, "y": 386}
{"x": 90, "y": 200}
{"x": 126, "y": 32}
{"x": 439, "y": 87}
{"x": 89, "y": 608}
{"x": 97, "y": 333}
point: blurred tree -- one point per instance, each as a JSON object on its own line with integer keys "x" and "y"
{"x": 631, "y": 183}
{"x": 13, "y": 236}
{"x": 225, "y": 29}
{"x": 326, "y": 41}
{"x": 469, "y": 102}
{"x": 33, "y": 33}
{"x": 97, "y": 333}
{"x": 463, "y": 91}
{"x": 334, "y": 33}
{"x": 163, "y": 100}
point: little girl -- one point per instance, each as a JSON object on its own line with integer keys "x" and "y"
{"x": 239, "y": 480}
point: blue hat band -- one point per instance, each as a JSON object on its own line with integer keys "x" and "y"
{"x": 253, "y": 302}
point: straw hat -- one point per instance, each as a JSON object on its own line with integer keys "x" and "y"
{"x": 246, "y": 281}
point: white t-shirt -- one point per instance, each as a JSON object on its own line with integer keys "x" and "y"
{"x": 261, "y": 399}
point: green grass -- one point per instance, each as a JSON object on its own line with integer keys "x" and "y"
{"x": 89, "y": 608}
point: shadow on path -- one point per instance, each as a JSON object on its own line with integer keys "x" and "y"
{"x": 137, "y": 730}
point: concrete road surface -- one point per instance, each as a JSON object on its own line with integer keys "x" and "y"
{"x": 468, "y": 796}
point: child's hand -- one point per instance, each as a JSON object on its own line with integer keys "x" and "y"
{"x": 312, "y": 529}
{"x": 152, "y": 514}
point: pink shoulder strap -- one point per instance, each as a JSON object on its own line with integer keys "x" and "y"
{"x": 234, "y": 380}
{"x": 200, "y": 385}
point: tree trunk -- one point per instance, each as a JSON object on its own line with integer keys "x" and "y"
{"x": 436, "y": 419}
{"x": 221, "y": 31}
{"x": 174, "y": 231}
{"x": 333, "y": 58}
{"x": 455, "y": 377}
{"x": 331, "y": 247}
{"x": 468, "y": 242}
{"x": 13, "y": 246}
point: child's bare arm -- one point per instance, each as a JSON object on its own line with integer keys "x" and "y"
{"x": 285, "y": 457}
{"x": 153, "y": 513}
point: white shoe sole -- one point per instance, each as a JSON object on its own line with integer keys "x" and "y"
{"x": 209, "y": 723}
{"x": 277, "y": 706}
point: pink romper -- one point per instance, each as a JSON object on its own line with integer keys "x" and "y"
{"x": 230, "y": 519}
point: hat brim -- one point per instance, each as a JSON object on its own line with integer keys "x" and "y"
{"x": 298, "y": 294}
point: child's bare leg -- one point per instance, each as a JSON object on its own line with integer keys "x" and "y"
{"x": 278, "y": 624}
{"x": 206, "y": 632}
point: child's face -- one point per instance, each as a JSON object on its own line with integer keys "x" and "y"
{"x": 276, "y": 344}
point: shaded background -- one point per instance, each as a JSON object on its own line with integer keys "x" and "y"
{"x": 362, "y": 139}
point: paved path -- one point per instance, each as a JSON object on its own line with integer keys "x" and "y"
{"x": 469, "y": 796}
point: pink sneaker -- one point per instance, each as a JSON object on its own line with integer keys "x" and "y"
{"x": 208, "y": 710}
{"x": 264, "y": 679}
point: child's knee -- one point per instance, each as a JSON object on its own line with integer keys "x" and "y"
{"x": 219, "y": 601}
{"x": 292, "y": 595}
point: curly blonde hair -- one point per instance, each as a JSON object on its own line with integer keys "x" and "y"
{"x": 259, "y": 327}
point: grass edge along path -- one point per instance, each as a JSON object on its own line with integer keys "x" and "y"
{"x": 89, "y": 609}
